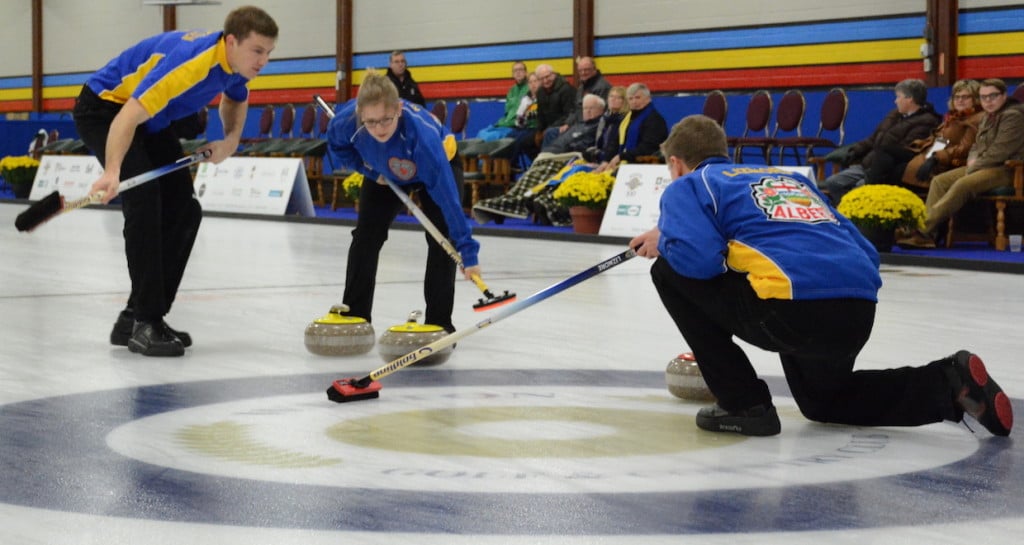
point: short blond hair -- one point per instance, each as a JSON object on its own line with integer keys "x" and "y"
{"x": 694, "y": 139}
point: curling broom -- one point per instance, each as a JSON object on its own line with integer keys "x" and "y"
{"x": 489, "y": 300}
{"x": 368, "y": 387}
{"x": 54, "y": 204}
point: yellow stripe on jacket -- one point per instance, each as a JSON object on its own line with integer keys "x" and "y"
{"x": 183, "y": 77}
{"x": 129, "y": 83}
{"x": 764, "y": 275}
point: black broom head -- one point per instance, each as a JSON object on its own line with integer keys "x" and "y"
{"x": 40, "y": 211}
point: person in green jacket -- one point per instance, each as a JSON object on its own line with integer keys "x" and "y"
{"x": 504, "y": 127}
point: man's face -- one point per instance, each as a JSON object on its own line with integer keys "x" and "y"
{"x": 592, "y": 109}
{"x": 585, "y": 68}
{"x": 519, "y": 72}
{"x": 398, "y": 65}
{"x": 249, "y": 55}
{"x": 992, "y": 99}
{"x": 904, "y": 104}
{"x": 638, "y": 101}
{"x": 547, "y": 79}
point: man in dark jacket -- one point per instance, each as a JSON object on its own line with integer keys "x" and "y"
{"x": 555, "y": 103}
{"x": 590, "y": 82}
{"x": 402, "y": 78}
{"x": 883, "y": 156}
{"x": 583, "y": 134}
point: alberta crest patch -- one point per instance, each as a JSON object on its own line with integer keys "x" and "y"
{"x": 786, "y": 199}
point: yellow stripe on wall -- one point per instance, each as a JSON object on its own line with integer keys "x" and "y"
{"x": 62, "y": 91}
{"x": 980, "y": 45}
{"x": 21, "y": 93}
{"x": 767, "y": 57}
{"x": 470, "y": 72}
{"x": 293, "y": 81}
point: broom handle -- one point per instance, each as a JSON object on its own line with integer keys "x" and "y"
{"x": 139, "y": 179}
{"x": 502, "y": 313}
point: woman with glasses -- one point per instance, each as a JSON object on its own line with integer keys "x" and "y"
{"x": 382, "y": 136}
{"x": 951, "y": 141}
{"x": 1000, "y": 138}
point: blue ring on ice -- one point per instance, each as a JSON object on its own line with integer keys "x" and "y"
{"x": 53, "y": 455}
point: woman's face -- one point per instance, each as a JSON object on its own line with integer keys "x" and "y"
{"x": 533, "y": 83}
{"x": 615, "y": 102}
{"x": 380, "y": 120}
{"x": 963, "y": 100}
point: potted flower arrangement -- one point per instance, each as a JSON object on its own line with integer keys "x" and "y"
{"x": 20, "y": 172}
{"x": 878, "y": 210}
{"x": 585, "y": 194}
{"x": 353, "y": 185}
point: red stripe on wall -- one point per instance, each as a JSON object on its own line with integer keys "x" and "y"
{"x": 16, "y": 106}
{"x": 979, "y": 68}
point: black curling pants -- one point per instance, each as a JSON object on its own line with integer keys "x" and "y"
{"x": 817, "y": 341}
{"x": 378, "y": 207}
{"x": 161, "y": 217}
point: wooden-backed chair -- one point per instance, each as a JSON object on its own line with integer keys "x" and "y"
{"x": 1000, "y": 198}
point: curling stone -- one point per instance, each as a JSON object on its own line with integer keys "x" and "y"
{"x": 684, "y": 379}
{"x": 336, "y": 334}
{"x": 402, "y": 339}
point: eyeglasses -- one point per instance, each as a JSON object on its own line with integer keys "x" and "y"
{"x": 382, "y": 122}
{"x": 961, "y": 97}
{"x": 548, "y": 77}
{"x": 990, "y": 96}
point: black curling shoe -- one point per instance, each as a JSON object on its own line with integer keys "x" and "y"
{"x": 978, "y": 395}
{"x": 123, "y": 328}
{"x": 125, "y": 325}
{"x": 183, "y": 336}
{"x": 153, "y": 339}
{"x": 758, "y": 420}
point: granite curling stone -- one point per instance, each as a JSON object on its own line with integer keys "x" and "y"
{"x": 405, "y": 338}
{"x": 336, "y": 334}
{"x": 684, "y": 379}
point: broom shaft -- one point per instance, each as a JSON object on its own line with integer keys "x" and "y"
{"x": 500, "y": 314}
{"x": 137, "y": 180}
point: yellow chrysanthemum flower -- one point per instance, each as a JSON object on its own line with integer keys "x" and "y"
{"x": 585, "y": 189}
{"x": 883, "y": 206}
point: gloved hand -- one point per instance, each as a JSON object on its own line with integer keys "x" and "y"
{"x": 843, "y": 156}
{"x": 924, "y": 173}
